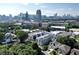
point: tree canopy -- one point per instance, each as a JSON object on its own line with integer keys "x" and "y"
{"x": 22, "y": 36}
{"x": 67, "y": 40}
{"x": 20, "y": 49}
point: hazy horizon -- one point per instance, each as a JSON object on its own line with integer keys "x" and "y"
{"x": 48, "y": 9}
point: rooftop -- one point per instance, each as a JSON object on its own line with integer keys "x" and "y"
{"x": 74, "y": 29}
{"x": 61, "y": 27}
{"x": 43, "y": 36}
{"x": 38, "y": 32}
{"x": 56, "y": 32}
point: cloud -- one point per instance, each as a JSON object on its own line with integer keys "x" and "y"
{"x": 61, "y": 11}
{"x": 36, "y": 4}
{"x": 70, "y": 9}
{"x": 43, "y": 6}
{"x": 25, "y": 4}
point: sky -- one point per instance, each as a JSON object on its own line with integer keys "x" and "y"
{"x": 48, "y": 9}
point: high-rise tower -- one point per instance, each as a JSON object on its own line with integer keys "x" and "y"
{"x": 26, "y": 16}
{"x": 38, "y": 15}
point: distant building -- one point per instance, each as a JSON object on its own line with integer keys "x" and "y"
{"x": 10, "y": 17}
{"x": 26, "y": 16}
{"x": 18, "y": 24}
{"x": 55, "y": 15}
{"x": 45, "y": 25}
{"x": 74, "y": 29}
{"x": 58, "y": 28}
{"x": 21, "y": 15}
{"x": 30, "y": 31}
{"x": 25, "y": 30}
{"x": 38, "y": 15}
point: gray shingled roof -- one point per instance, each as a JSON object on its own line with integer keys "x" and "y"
{"x": 74, "y": 52}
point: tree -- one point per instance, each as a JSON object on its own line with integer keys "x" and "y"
{"x": 20, "y": 49}
{"x": 70, "y": 42}
{"x": 61, "y": 39}
{"x": 22, "y": 36}
{"x": 76, "y": 45}
{"x": 67, "y": 40}
{"x": 17, "y": 27}
{"x": 1, "y": 36}
{"x": 54, "y": 52}
{"x": 48, "y": 29}
{"x": 35, "y": 47}
{"x": 70, "y": 25}
{"x": 67, "y": 27}
{"x": 45, "y": 48}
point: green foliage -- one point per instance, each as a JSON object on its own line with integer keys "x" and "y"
{"x": 4, "y": 27}
{"x": 77, "y": 38}
{"x": 54, "y": 52}
{"x": 76, "y": 45}
{"x": 27, "y": 26}
{"x": 61, "y": 39}
{"x": 15, "y": 27}
{"x": 45, "y": 48}
{"x": 70, "y": 42}
{"x": 20, "y": 49}
{"x": 67, "y": 40}
{"x": 1, "y": 36}
{"x": 35, "y": 47}
{"x": 71, "y": 25}
{"x": 67, "y": 26}
{"x": 2, "y": 49}
{"x": 21, "y": 35}
{"x": 73, "y": 42}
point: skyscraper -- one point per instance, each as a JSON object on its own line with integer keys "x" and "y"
{"x": 26, "y": 16}
{"x": 55, "y": 14}
{"x": 38, "y": 15}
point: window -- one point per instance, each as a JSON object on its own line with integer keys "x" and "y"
{"x": 34, "y": 37}
{"x": 38, "y": 35}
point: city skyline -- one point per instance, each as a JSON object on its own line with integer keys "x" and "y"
{"x": 48, "y": 9}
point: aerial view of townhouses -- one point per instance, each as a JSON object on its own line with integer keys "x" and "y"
{"x": 39, "y": 29}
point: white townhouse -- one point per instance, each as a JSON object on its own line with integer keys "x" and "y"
{"x": 34, "y": 35}
{"x": 45, "y": 39}
{"x": 8, "y": 38}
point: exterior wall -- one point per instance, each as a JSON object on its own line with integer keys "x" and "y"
{"x": 74, "y": 30}
{"x": 45, "y": 25}
{"x": 36, "y": 34}
{"x": 8, "y": 37}
{"x": 38, "y": 14}
{"x": 58, "y": 29}
{"x": 44, "y": 40}
{"x": 61, "y": 28}
{"x": 74, "y": 52}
